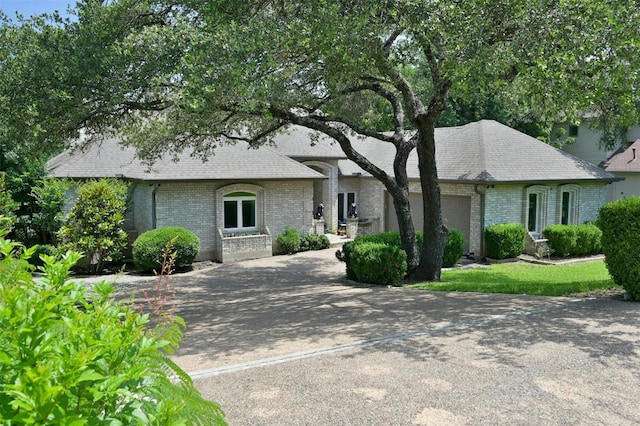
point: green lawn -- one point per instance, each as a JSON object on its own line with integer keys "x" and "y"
{"x": 526, "y": 278}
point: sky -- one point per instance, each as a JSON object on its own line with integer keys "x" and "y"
{"x": 34, "y": 7}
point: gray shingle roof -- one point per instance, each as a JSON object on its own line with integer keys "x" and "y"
{"x": 486, "y": 152}
{"x": 626, "y": 161}
{"x": 480, "y": 152}
{"x": 230, "y": 162}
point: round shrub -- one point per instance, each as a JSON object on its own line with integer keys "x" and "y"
{"x": 150, "y": 246}
{"x": 377, "y": 263}
{"x": 504, "y": 240}
{"x": 453, "y": 249}
{"x": 563, "y": 239}
{"x": 620, "y": 225}
{"x": 41, "y": 249}
{"x": 289, "y": 240}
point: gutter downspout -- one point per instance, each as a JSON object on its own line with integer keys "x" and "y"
{"x": 482, "y": 194}
{"x": 154, "y": 220}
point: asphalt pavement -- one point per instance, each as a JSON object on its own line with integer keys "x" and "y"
{"x": 288, "y": 340}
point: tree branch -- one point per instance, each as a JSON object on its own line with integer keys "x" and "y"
{"x": 314, "y": 123}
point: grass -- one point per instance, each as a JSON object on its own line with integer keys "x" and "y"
{"x": 525, "y": 278}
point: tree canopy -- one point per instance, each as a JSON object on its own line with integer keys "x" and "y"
{"x": 184, "y": 74}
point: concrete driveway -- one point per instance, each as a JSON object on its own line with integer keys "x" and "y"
{"x": 288, "y": 341}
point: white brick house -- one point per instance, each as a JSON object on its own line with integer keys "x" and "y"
{"x": 241, "y": 199}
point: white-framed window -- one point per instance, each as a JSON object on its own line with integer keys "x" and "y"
{"x": 240, "y": 211}
{"x": 569, "y": 201}
{"x": 536, "y": 202}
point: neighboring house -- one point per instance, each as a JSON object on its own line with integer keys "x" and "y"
{"x": 586, "y": 145}
{"x": 488, "y": 174}
{"x": 625, "y": 163}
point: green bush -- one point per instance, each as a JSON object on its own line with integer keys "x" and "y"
{"x": 39, "y": 250}
{"x": 315, "y": 242}
{"x": 93, "y": 226}
{"x": 620, "y": 225}
{"x": 504, "y": 240}
{"x": 453, "y": 249}
{"x": 149, "y": 247}
{"x": 588, "y": 239}
{"x": 289, "y": 240}
{"x": 391, "y": 238}
{"x": 70, "y": 357}
{"x": 377, "y": 263}
{"x": 49, "y": 195}
{"x": 563, "y": 239}
{"x": 344, "y": 255}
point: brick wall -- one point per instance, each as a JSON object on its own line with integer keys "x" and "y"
{"x": 504, "y": 204}
{"x": 198, "y": 207}
{"x": 592, "y": 197}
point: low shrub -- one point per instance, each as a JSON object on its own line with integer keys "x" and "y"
{"x": 315, "y": 242}
{"x": 565, "y": 240}
{"x": 41, "y": 249}
{"x": 289, "y": 240}
{"x": 620, "y": 225}
{"x": 149, "y": 247}
{"x": 377, "y": 263}
{"x": 504, "y": 240}
{"x": 562, "y": 239}
{"x": 588, "y": 239}
{"x": 344, "y": 255}
{"x": 453, "y": 249}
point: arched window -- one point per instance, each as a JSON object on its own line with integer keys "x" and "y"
{"x": 240, "y": 212}
{"x": 569, "y": 200}
{"x": 536, "y": 201}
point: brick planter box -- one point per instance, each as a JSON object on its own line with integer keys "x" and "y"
{"x": 243, "y": 247}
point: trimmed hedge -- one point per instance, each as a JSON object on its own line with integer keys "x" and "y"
{"x": 453, "y": 251}
{"x": 562, "y": 238}
{"x": 149, "y": 247}
{"x": 504, "y": 240}
{"x": 588, "y": 239}
{"x": 620, "y": 225}
{"x": 377, "y": 263}
{"x": 566, "y": 240}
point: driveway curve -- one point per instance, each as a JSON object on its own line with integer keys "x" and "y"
{"x": 288, "y": 341}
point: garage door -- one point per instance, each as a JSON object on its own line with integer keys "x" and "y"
{"x": 456, "y": 214}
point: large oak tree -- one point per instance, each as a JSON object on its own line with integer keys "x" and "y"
{"x": 187, "y": 74}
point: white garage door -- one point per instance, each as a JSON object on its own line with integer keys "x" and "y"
{"x": 456, "y": 214}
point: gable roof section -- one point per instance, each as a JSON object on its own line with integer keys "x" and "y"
{"x": 230, "y": 162}
{"x": 627, "y": 161}
{"x": 486, "y": 152}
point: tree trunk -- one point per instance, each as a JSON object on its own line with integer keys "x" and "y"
{"x": 435, "y": 233}
{"x": 408, "y": 240}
